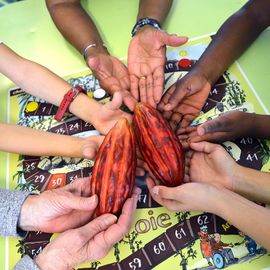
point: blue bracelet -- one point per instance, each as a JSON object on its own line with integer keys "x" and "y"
{"x": 145, "y": 21}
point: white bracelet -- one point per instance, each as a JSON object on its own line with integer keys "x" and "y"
{"x": 89, "y": 47}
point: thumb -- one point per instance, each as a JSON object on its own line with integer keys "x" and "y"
{"x": 82, "y": 203}
{"x": 93, "y": 63}
{"x": 90, "y": 151}
{"x": 166, "y": 192}
{"x": 116, "y": 102}
{"x": 204, "y": 147}
{"x": 96, "y": 226}
{"x": 171, "y": 40}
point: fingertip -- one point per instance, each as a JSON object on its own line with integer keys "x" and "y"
{"x": 200, "y": 130}
{"x": 156, "y": 190}
{"x": 167, "y": 107}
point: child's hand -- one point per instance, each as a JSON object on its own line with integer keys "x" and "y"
{"x": 210, "y": 163}
{"x": 186, "y": 197}
{"x": 90, "y": 146}
{"x": 109, "y": 114}
{"x": 185, "y": 99}
{"x": 229, "y": 126}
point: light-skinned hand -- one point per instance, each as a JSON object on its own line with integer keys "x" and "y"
{"x": 59, "y": 209}
{"x": 90, "y": 242}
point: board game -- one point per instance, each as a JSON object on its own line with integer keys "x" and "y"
{"x": 158, "y": 239}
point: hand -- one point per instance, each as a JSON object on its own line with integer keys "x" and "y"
{"x": 146, "y": 61}
{"x": 186, "y": 197}
{"x": 88, "y": 243}
{"x": 109, "y": 114}
{"x": 59, "y": 209}
{"x": 112, "y": 75}
{"x": 211, "y": 164}
{"x": 229, "y": 126}
{"x": 90, "y": 146}
{"x": 185, "y": 99}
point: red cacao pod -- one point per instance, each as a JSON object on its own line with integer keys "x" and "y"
{"x": 159, "y": 146}
{"x": 113, "y": 174}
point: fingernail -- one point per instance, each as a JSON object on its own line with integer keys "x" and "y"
{"x": 200, "y": 130}
{"x": 110, "y": 219}
{"x": 92, "y": 199}
{"x": 167, "y": 107}
{"x": 155, "y": 190}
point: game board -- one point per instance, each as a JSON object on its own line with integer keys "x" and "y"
{"x": 158, "y": 239}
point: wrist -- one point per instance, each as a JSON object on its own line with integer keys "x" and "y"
{"x": 46, "y": 262}
{"x": 27, "y": 219}
{"x": 93, "y": 50}
{"x": 145, "y": 22}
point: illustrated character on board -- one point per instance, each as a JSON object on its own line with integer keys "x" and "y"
{"x": 218, "y": 247}
{"x": 205, "y": 244}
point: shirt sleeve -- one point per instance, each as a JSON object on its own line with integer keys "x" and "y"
{"x": 26, "y": 263}
{"x": 11, "y": 202}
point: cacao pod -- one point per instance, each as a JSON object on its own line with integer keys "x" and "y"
{"x": 113, "y": 175}
{"x": 159, "y": 146}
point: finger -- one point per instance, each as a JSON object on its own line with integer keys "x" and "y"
{"x": 204, "y": 147}
{"x": 80, "y": 186}
{"x": 90, "y": 151}
{"x": 171, "y": 40}
{"x": 140, "y": 172}
{"x": 166, "y": 192}
{"x": 210, "y": 126}
{"x": 175, "y": 120}
{"x": 158, "y": 83}
{"x": 130, "y": 101}
{"x": 96, "y": 226}
{"x": 166, "y": 97}
{"x": 216, "y": 137}
{"x": 116, "y": 102}
{"x": 142, "y": 86}
{"x": 125, "y": 82}
{"x": 150, "y": 91}
{"x": 167, "y": 115}
{"x": 80, "y": 203}
{"x": 134, "y": 86}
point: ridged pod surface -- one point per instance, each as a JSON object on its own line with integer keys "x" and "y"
{"x": 159, "y": 146}
{"x": 113, "y": 174}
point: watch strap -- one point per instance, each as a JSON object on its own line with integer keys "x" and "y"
{"x": 70, "y": 95}
{"x": 145, "y": 21}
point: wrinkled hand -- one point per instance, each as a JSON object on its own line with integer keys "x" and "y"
{"x": 146, "y": 61}
{"x": 90, "y": 242}
{"x": 223, "y": 128}
{"x": 110, "y": 113}
{"x": 185, "y": 99}
{"x": 59, "y": 209}
{"x": 112, "y": 75}
{"x": 210, "y": 163}
{"x": 186, "y": 197}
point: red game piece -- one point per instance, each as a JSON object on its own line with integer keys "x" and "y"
{"x": 184, "y": 63}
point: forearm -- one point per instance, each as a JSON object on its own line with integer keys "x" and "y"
{"x": 261, "y": 126}
{"x": 233, "y": 38}
{"x": 155, "y": 9}
{"x": 252, "y": 184}
{"x": 75, "y": 24}
{"x": 252, "y": 219}
{"x": 27, "y": 141}
{"x": 41, "y": 82}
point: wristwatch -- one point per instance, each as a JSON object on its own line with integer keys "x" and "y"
{"x": 71, "y": 94}
{"x": 145, "y": 21}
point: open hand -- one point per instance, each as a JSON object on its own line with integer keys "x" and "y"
{"x": 146, "y": 60}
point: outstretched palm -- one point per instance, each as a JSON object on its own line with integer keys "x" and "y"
{"x": 146, "y": 60}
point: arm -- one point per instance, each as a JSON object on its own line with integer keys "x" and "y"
{"x": 147, "y": 52}
{"x": 231, "y": 40}
{"x": 234, "y": 37}
{"x": 28, "y": 141}
{"x": 221, "y": 169}
{"x": 226, "y": 127}
{"x": 79, "y": 29}
{"x": 41, "y": 82}
{"x": 155, "y": 9}
{"x": 252, "y": 219}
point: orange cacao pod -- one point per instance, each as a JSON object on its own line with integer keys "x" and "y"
{"x": 113, "y": 174}
{"x": 159, "y": 146}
